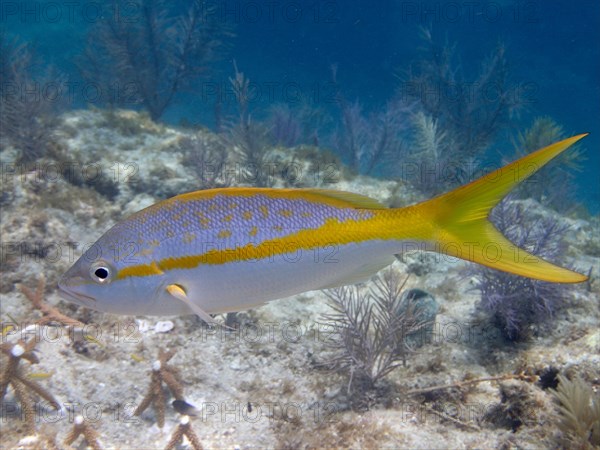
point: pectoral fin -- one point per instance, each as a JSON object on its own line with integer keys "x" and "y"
{"x": 178, "y": 292}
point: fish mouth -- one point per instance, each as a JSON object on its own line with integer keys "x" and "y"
{"x": 74, "y": 297}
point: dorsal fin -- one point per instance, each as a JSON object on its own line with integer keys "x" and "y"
{"x": 356, "y": 200}
{"x": 338, "y": 198}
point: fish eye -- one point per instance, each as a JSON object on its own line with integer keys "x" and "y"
{"x": 101, "y": 272}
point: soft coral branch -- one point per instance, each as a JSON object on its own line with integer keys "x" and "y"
{"x": 159, "y": 52}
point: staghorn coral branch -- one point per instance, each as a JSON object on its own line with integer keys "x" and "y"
{"x": 155, "y": 396}
{"x": 27, "y": 406}
{"x": 39, "y": 390}
{"x": 90, "y": 435}
{"x": 173, "y": 384}
{"x": 24, "y": 388}
{"x": 49, "y": 313}
{"x": 184, "y": 429}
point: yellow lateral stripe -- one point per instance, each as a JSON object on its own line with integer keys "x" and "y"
{"x": 140, "y": 270}
{"x": 332, "y": 232}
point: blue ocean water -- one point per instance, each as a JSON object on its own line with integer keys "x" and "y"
{"x": 294, "y": 51}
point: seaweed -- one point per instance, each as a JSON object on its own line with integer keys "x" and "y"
{"x": 517, "y": 304}
{"x": 207, "y": 158}
{"x": 371, "y": 330}
{"x": 28, "y": 115}
{"x": 247, "y": 137}
{"x": 369, "y": 142}
{"x": 456, "y": 118}
{"x": 146, "y": 51}
{"x": 284, "y": 126}
{"x": 518, "y": 406}
{"x": 578, "y": 408}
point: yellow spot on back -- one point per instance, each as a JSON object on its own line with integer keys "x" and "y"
{"x": 224, "y": 234}
{"x": 247, "y": 215}
{"x": 306, "y": 214}
{"x": 278, "y": 228}
{"x": 204, "y": 222}
{"x": 228, "y": 218}
{"x": 253, "y": 232}
{"x": 188, "y": 238}
{"x": 264, "y": 210}
{"x": 286, "y": 213}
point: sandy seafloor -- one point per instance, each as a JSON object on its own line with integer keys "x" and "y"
{"x": 294, "y": 403}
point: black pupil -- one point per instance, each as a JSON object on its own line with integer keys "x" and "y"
{"x": 101, "y": 273}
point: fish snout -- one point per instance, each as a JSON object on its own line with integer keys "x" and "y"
{"x": 70, "y": 288}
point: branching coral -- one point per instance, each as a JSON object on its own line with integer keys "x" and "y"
{"x": 147, "y": 51}
{"x": 516, "y": 303}
{"x": 81, "y": 428}
{"x": 371, "y": 329}
{"x": 184, "y": 429}
{"x": 162, "y": 372}
{"x": 49, "y": 313}
{"x": 284, "y": 126}
{"x": 472, "y": 110}
{"x": 24, "y": 387}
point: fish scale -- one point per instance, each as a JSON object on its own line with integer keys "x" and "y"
{"x": 170, "y": 226}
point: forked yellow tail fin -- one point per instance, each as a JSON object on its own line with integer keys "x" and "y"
{"x": 462, "y": 229}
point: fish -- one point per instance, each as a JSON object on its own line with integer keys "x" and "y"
{"x": 230, "y": 249}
